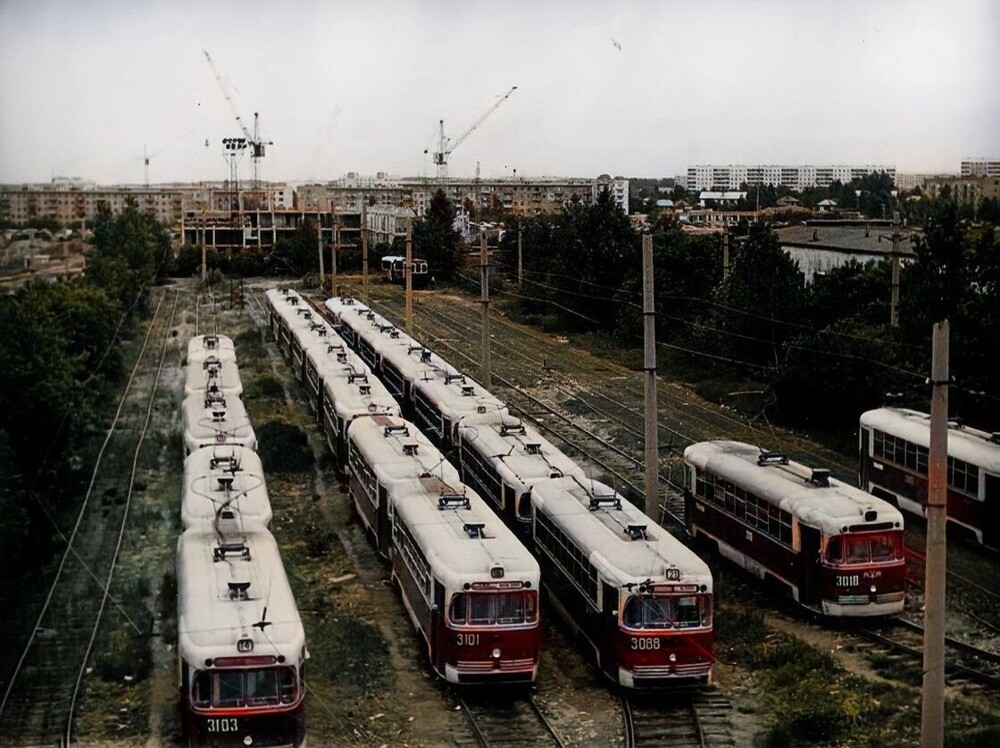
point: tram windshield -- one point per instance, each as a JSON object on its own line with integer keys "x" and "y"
{"x": 869, "y": 548}
{"x": 493, "y": 608}
{"x": 244, "y": 688}
{"x": 667, "y": 612}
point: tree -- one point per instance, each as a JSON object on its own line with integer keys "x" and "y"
{"x": 127, "y": 253}
{"x": 436, "y": 240}
{"x": 296, "y": 254}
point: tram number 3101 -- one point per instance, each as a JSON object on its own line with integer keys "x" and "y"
{"x": 223, "y": 724}
{"x": 467, "y": 640}
{"x": 645, "y": 642}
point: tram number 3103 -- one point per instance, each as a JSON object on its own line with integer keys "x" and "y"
{"x": 223, "y": 724}
{"x": 645, "y": 642}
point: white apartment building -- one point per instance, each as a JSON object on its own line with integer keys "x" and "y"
{"x": 732, "y": 176}
{"x": 980, "y": 167}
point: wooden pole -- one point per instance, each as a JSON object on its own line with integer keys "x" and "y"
{"x": 520, "y": 266}
{"x": 204, "y": 263}
{"x": 894, "y": 306}
{"x": 408, "y": 274}
{"x": 484, "y": 264}
{"x": 334, "y": 248}
{"x": 319, "y": 248}
{"x": 649, "y": 366}
{"x": 932, "y": 705}
{"x": 364, "y": 252}
{"x": 725, "y": 254}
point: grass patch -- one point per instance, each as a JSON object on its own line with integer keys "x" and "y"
{"x": 263, "y": 387}
{"x": 360, "y": 648}
{"x": 250, "y": 345}
{"x": 284, "y": 448}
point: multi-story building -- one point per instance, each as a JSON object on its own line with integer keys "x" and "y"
{"x": 733, "y": 176}
{"x": 969, "y": 190}
{"x": 980, "y": 167}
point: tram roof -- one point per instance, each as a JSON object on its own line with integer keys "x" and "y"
{"x": 790, "y": 487}
{"x": 227, "y": 376}
{"x": 461, "y": 543}
{"x": 387, "y": 453}
{"x": 458, "y": 398}
{"x": 348, "y": 397}
{"x": 210, "y": 622}
{"x": 964, "y": 442}
{"x": 203, "y": 494}
{"x": 199, "y": 349}
{"x": 200, "y": 428}
{"x": 603, "y": 534}
{"x": 519, "y": 453}
{"x": 338, "y": 305}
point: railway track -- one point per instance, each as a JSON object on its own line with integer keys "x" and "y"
{"x": 964, "y": 663}
{"x": 693, "y": 721}
{"x": 508, "y": 719}
{"x": 42, "y": 694}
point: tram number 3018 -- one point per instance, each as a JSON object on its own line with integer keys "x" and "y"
{"x": 467, "y": 640}
{"x": 224, "y": 724}
{"x": 645, "y": 642}
{"x": 848, "y": 580}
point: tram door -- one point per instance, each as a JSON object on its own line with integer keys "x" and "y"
{"x": 809, "y": 583}
{"x": 863, "y": 461}
{"x": 608, "y": 628}
{"x": 991, "y": 511}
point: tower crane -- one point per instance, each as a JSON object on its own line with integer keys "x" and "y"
{"x": 446, "y": 148}
{"x": 257, "y": 145}
{"x": 147, "y": 156}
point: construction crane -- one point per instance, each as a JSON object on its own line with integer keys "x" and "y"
{"x": 257, "y": 146}
{"x": 446, "y": 148}
{"x": 147, "y": 156}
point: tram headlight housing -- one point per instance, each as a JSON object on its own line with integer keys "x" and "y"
{"x": 495, "y": 653}
{"x": 872, "y": 589}
{"x": 673, "y": 657}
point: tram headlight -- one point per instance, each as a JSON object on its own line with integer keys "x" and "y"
{"x": 247, "y": 740}
{"x": 673, "y": 657}
{"x": 496, "y": 653}
{"x": 872, "y": 589}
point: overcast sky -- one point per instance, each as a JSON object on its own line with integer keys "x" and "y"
{"x": 631, "y": 88}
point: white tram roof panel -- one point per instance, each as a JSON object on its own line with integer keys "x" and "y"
{"x": 392, "y": 457}
{"x": 349, "y": 384}
{"x": 461, "y": 543}
{"x": 211, "y": 619}
{"x": 620, "y": 540}
{"x": 338, "y": 305}
{"x": 458, "y": 396}
{"x": 214, "y": 421}
{"x": 215, "y": 475}
{"x": 518, "y": 453}
{"x": 789, "y": 486}
{"x": 224, "y": 374}
{"x": 964, "y": 442}
{"x": 316, "y": 332}
{"x": 202, "y": 346}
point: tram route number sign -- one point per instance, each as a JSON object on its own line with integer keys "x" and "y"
{"x": 222, "y": 724}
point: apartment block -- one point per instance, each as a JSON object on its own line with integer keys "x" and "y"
{"x": 732, "y": 176}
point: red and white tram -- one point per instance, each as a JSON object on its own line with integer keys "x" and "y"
{"x": 394, "y": 270}
{"x": 641, "y": 599}
{"x": 502, "y": 457}
{"x": 893, "y": 451}
{"x": 470, "y": 587}
{"x": 835, "y": 548}
{"x": 241, "y": 644}
{"x": 213, "y": 419}
{"x": 223, "y": 481}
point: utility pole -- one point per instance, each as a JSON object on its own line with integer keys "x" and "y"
{"x": 364, "y": 252}
{"x": 725, "y": 253}
{"x": 649, "y": 366}
{"x": 334, "y": 248}
{"x": 319, "y": 248}
{"x": 484, "y": 264}
{"x": 520, "y": 266}
{"x": 204, "y": 268}
{"x": 932, "y": 706}
{"x": 408, "y": 274}
{"x": 896, "y": 238}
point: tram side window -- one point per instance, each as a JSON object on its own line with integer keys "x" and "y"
{"x": 963, "y": 476}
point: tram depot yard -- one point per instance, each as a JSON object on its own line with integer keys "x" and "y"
{"x": 780, "y": 674}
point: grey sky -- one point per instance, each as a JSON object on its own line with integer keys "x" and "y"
{"x": 360, "y": 86}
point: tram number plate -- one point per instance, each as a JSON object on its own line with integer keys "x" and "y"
{"x": 645, "y": 642}
{"x": 222, "y": 724}
{"x": 467, "y": 640}
{"x": 847, "y": 580}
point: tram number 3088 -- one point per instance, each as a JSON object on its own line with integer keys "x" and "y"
{"x": 223, "y": 724}
{"x": 645, "y": 642}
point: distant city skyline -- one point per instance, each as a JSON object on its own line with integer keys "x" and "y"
{"x": 640, "y": 89}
